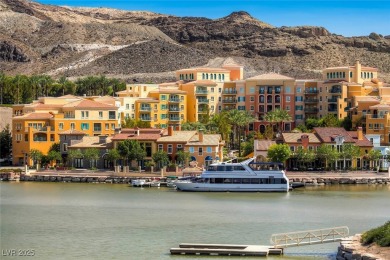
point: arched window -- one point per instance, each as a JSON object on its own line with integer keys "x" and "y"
{"x": 219, "y": 77}
{"x": 372, "y": 75}
{"x": 350, "y": 74}
{"x": 261, "y": 99}
{"x": 262, "y": 129}
{"x": 337, "y": 75}
{"x": 215, "y": 76}
{"x": 344, "y": 75}
{"x": 223, "y": 77}
{"x": 269, "y": 99}
{"x": 277, "y": 99}
{"x": 207, "y": 76}
{"x": 203, "y": 76}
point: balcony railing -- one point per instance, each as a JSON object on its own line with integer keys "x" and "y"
{"x": 335, "y": 91}
{"x": 311, "y": 101}
{"x": 146, "y": 118}
{"x": 332, "y": 110}
{"x": 174, "y": 118}
{"x": 203, "y": 101}
{"x": 201, "y": 92}
{"x": 375, "y": 116}
{"x": 332, "y": 100}
{"x": 311, "y": 91}
{"x": 174, "y": 100}
{"x": 229, "y": 92}
{"x": 96, "y": 129}
{"x": 229, "y": 101}
{"x": 145, "y": 109}
{"x": 311, "y": 110}
{"x": 174, "y": 109}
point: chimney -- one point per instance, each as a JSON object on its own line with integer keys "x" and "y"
{"x": 201, "y": 136}
{"x": 102, "y": 139}
{"x": 137, "y": 131}
{"x": 305, "y": 141}
{"x": 360, "y": 133}
{"x": 170, "y": 130}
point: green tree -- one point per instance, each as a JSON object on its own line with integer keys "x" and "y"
{"x": 327, "y": 153}
{"x": 277, "y": 117}
{"x": 131, "y": 150}
{"x": 374, "y": 156}
{"x": 55, "y": 147}
{"x": 304, "y": 156}
{"x": 279, "y": 152}
{"x": 349, "y": 152}
{"x": 132, "y": 123}
{"x": 54, "y": 156}
{"x": 36, "y": 156}
{"x": 113, "y": 155}
{"x": 310, "y": 123}
{"x": 160, "y": 158}
{"x": 219, "y": 123}
{"x": 183, "y": 157}
{"x": 73, "y": 154}
{"x": 92, "y": 155}
{"x": 239, "y": 119}
{"x": 330, "y": 120}
{"x": 192, "y": 126}
{"x": 5, "y": 142}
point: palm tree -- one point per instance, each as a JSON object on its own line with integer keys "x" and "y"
{"x": 239, "y": 119}
{"x": 277, "y": 117}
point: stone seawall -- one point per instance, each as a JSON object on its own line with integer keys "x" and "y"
{"x": 351, "y": 249}
{"x": 87, "y": 179}
{"x": 330, "y": 181}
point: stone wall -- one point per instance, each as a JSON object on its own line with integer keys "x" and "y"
{"x": 330, "y": 181}
{"x": 351, "y": 249}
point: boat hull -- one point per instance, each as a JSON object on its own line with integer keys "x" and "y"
{"x": 193, "y": 186}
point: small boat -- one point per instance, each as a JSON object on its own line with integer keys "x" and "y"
{"x": 245, "y": 176}
{"x": 138, "y": 182}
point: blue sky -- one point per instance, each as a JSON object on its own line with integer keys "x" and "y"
{"x": 345, "y": 17}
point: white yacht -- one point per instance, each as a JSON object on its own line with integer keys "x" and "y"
{"x": 245, "y": 176}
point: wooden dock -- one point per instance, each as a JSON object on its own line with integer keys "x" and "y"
{"x": 225, "y": 250}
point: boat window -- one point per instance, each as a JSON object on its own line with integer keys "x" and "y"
{"x": 229, "y": 168}
{"x": 277, "y": 180}
{"x": 255, "y": 181}
{"x": 271, "y": 180}
{"x": 218, "y": 180}
{"x": 239, "y": 168}
{"x": 246, "y": 181}
{"x": 264, "y": 181}
{"x": 236, "y": 180}
{"x": 283, "y": 181}
{"x": 220, "y": 168}
{"x": 227, "y": 180}
{"x": 212, "y": 168}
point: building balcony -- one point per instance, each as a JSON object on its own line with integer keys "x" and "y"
{"x": 311, "y": 91}
{"x": 201, "y": 92}
{"x": 145, "y": 118}
{"x": 332, "y": 110}
{"x": 232, "y": 101}
{"x": 97, "y": 130}
{"x": 203, "y": 101}
{"x": 229, "y": 92}
{"x": 311, "y": 110}
{"x": 145, "y": 109}
{"x": 336, "y": 90}
{"x": 174, "y": 109}
{"x": 375, "y": 116}
{"x": 332, "y": 100}
{"x": 174, "y": 100}
{"x": 175, "y": 119}
{"x": 311, "y": 100}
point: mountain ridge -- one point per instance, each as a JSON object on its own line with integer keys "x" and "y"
{"x": 39, "y": 38}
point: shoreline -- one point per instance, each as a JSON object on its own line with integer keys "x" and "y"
{"x": 351, "y": 248}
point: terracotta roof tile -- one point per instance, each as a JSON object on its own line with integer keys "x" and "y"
{"x": 327, "y": 134}
{"x": 263, "y": 145}
{"x": 34, "y": 115}
{"x": 144, "y": 134}
{"x": 208, "y": 139}
{"x": 178, "y": 136}
{"x": 204, "y": 70}
{"x": 271, "y": 75}
{"x": 89, "y": 104}
{"x": 92, "y": 142}
{"x": 71, "y": 132}
{"x": 296, "y": 137}
{"x": 365, "y": 142}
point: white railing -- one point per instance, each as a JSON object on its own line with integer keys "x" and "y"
{"x": 309, "y": 237}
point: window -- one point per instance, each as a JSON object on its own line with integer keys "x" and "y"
{"x": 288, "y": 99}
{"x": 100, "y": 114}
{"x": 200, "y": 150}
{"x": 112, "y": 126}
{"x": 212, "y": 98}
{"x": 72, "y": 126}
{"x": 84, "y": 114}
{"x": 252, "y": 108}
{"x": 111, "y": 114}
{"x": 292, "y": 148}
{"x": 65, "y": 147}
{"x": 212, "y": 90}
{"x": 179, "y": 147}
{"x": 288, "y": 108}
{"x": 209, "y": 150}
{"x": 299, "y": 99}
{"x": 170, "y": 149}
{"x": 299, "y": 89}
{"x": 191, "y": 150}
{"x": 84, "y": 126}
{"x": 252, "y": 99}
{"x": 97, "y": 127}
{"x": 127, "y": 106}
{"x": 298, "y": 117}
{"x": 241, "y": 90}
{"x": 163, "y": 107}
{"x": 60, "y": 126}
{"x": 132, "y": 106}
{"x": 219, "y": 90}
{"x": 298, "y": 107}
{"x": 160, "y": 147}
{"x": 107, "y": 126}
{"x": 163, "y": 97}
{"x": 252, "y": 90}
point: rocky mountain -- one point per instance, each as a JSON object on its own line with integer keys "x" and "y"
{"x": 149, "y": 47}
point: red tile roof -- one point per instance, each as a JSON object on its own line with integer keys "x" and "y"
{"x": 144, "y": 134}
{"x": 364, "y": 142}
{"x": 89, "y": 104}
{"x": 34, "y": 115}
{"x": 263, "y": 145}
{"x": 327, "y": 134}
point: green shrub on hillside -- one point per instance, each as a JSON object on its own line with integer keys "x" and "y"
{"x": 379, "y": 235}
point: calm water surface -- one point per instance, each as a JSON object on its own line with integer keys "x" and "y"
{"x": 113, "y": 221}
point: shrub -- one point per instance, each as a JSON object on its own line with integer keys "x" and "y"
{"x": 379, "y": 235}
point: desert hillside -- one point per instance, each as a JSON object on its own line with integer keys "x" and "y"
{"x": 148, "y": 47}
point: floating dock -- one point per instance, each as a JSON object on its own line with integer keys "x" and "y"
{"x": 225, "y": 250}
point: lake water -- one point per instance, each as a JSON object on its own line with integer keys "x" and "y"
{"x": 113, "y": 221}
